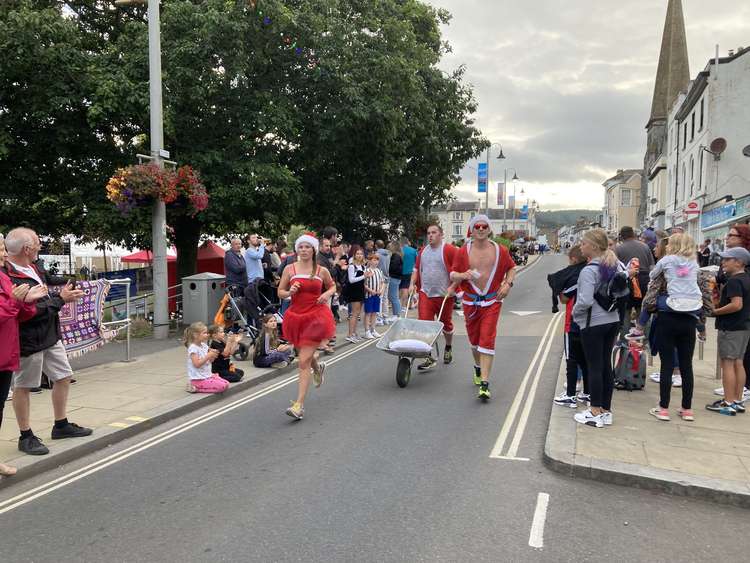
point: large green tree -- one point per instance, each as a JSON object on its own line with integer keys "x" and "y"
{"x": 310, "y": 111}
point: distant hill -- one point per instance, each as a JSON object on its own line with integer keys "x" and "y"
{"x": 562, "y": 217}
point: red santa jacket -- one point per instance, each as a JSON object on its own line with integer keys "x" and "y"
{"x": 449, "y": 255}
{"x": 12, "y": 312}
{"x": 483, "y": 296}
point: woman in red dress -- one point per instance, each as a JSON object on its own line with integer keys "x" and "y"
{"x": 308, "y": 322}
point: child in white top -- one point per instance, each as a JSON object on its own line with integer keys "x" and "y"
{"x": 680, "y": 269}
{"x": 374, "y": 286}
{"x": 199, "y": 358}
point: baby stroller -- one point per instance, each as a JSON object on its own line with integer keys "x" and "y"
{"x": 258, "y": 301}
{"x": 230, "y": 315}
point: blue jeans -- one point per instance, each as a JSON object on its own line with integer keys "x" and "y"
{"x": 393, "y": 287}
{"x": 271, "y": 358}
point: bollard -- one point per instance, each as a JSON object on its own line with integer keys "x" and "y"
{"x": 700, "y": 349}
{"x": 127, "y": 318}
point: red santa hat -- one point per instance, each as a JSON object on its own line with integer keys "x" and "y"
{"x": 308, "y": 238}
{"x": 481, "y": 218}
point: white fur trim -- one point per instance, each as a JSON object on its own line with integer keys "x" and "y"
{"x": 486, "y": 351}
{"x": 481, "y": 218}
{"x": 311, "y": 240}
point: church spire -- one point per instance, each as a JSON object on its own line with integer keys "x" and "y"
{"x": 673, "y": 74}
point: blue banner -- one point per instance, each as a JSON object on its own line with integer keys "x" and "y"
{"x": 525, "y": 212}
{"x": 482, "y": 177}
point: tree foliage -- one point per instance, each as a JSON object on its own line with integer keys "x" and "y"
{"x": 297, "y": 111}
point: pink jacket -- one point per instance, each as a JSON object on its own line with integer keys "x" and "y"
{"x": 12, "y": 312}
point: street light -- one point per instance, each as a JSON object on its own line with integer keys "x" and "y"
{"x": 501, "y": 156}
{"x": 159, "y": 212}
{"x": 505, "y": 187}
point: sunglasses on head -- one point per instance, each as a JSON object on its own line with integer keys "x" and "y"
{"x": 481, "y": 227}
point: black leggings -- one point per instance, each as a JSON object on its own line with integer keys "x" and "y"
{"x": 597, "y": 345}
{"x": 5, "y": 378}
{"x": 575, "y": 358}
{"x": 231, "y": 376}
{"x": 676, "y": 331}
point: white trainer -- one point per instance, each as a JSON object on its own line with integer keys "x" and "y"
{"x": 589, "y": 419}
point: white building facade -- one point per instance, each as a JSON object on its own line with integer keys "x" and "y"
{"x": 702, "y": 184}
{"x": 455, "y": 218}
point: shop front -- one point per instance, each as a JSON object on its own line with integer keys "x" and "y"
{"x": 716, "y": 221}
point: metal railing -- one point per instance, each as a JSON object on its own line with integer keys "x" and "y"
{"x": 133, "y": 309}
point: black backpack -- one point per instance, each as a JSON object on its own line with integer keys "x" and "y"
{"x": 610, "y": 295}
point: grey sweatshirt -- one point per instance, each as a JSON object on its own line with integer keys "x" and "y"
{"x": 588, "y": 280}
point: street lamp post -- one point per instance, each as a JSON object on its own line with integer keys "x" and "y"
{"x": 514, "y": 206}
{"x": 505, "y": 187}
{"x": 159, "y": 212}
{"x": 501, "y": 156}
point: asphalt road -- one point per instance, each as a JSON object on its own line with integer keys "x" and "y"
{"x": 373, "y": 473}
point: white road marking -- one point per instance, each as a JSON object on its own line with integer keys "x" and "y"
{"x": 43, "y": 490}
{"x": 513, "y": 450}
{"x": 536, "y": 536}
{"x": 525, "y": 313}
{"x": 497, "y": 450}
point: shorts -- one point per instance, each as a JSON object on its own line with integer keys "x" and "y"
{"x": 733, "y": 343}
{"x": 372, "y": 304}
{"x": 53, "y": 362}
{"x": 481, "y": 326}
{"x": 405, "y": 282}
{"x": 429, "y": 307}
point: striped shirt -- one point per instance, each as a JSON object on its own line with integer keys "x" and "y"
{"x": 375, "y": 282}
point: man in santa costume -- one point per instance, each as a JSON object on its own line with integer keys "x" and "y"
{"x": 485, "y": 272}
{"x": 431, "y": 278}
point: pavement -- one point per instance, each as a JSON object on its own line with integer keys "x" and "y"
{"x": 708, "y": 458}
{"x": 373, "y": 473}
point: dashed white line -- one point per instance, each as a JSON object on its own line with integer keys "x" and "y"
{"x": 536, "y": 536}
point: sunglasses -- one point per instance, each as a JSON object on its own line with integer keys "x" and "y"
{"x": 481, "y": 227}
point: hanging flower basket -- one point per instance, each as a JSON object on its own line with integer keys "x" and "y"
{"x": 139, "y": 185}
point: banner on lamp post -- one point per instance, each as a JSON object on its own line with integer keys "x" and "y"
{"x": 525, "y": 212}
{"x": 482, "y": 178}
{"x": 501, "y": 194}
{"x": 512, "y": 202}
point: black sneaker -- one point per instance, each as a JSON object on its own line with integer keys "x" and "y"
{"x": 71, "y": 430}
{"x": 32, "y": 446}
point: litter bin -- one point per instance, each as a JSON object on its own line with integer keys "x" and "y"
{"x": 201, "y": 295}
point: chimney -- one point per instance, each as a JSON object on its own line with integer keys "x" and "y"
{"x": 620, "y": 170}
{"x": 731, "y": 52}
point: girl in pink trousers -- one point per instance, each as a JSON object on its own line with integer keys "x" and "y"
{"x": 199, "y": 358}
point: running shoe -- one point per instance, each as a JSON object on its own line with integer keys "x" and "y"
{"x": 564, "y": 400}
{"x": 279, "y": 365}
{"x": 583, "y": 398}
{"x": 607, "y": 418}
{"x": 589, "y": 419}
{"x": 353, "y": 339}
{"x": 686, "y": 414}
{"x": 190, "y": 388}
{"x": 477, "y": 376}
{"x": 375, "y": 334}
{"x": 722, "y": 407}
{"x": 318, "y": 377}
{"x": 296, "y": 411}
{"x": 739, "y": 407}
{"x": 719, "y": 391}
{"x": 369, "y": 335}
{"x": 676, "y": 380}
{"x": 660, "y": 413}
{"x": 429, "y": 363}
{"x": 448, "y": 356}
{"x": 655, "y": 377}
{"x": 484, "y": 392}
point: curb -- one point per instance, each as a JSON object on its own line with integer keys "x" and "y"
{"x": 560, "y": 456}
{"x": 31, "y": 466}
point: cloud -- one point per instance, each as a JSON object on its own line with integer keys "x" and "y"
{"x": 566, "y": 87}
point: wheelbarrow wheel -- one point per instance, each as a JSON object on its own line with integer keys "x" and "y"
{"x": 403, "y": 372}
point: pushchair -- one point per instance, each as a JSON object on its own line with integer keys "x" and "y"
{"x": 230, "y": 315}
{"x": 258, "y": 301}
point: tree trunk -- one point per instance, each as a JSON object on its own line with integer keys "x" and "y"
{"x": 187, "y": 231}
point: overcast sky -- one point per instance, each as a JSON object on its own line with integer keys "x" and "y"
{"x": 566, "y": 87}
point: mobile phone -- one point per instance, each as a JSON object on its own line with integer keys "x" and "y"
{"x": 73, "y": 282}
